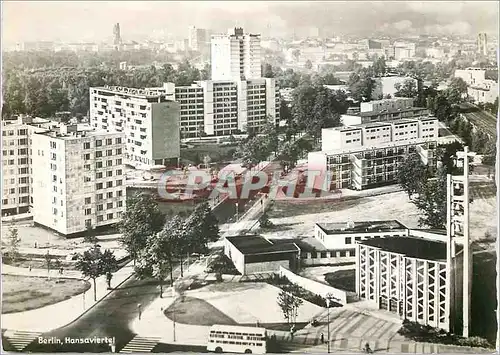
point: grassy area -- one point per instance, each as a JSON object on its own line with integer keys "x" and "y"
{"x": 195, "y": 311}
{"x": 342, "y": 279}
{"x": 38, "y": 263}
{"x": 22, "y": 293}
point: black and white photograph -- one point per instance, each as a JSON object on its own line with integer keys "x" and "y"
{"x": 249, "y": 177}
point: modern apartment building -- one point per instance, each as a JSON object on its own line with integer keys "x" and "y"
{"x": 224, "y": 107}
{"x": 385, "y": 110}
{"x": 482, "y": 83}
{"x": 368, "y": 166}
{"x": 149, "y": 120}
{"x": 17, "y": 162}
{"x": 198, "y": 39}
{"x": 371, "y": 134}
{"x": 79, "y": 178}
{"x": 236, "y": 55}
{"x": 482, "y": 44}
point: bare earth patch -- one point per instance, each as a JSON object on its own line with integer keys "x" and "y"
{"x": 22, "y": 293}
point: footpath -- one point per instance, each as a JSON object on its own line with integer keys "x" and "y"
{"x": 62, "y": 313}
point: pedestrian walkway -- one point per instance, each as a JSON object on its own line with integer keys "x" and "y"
{"x": 62, "y": 313}
{"x": 140, "y": 345}
{"x": 20, "y": 339}
{"x": 54, "y": 273}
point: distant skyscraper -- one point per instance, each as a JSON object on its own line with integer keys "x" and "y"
{"x": 236, "y": 55}
{"x": 482, "y": 44}
{"x": 116, "y": 33}
{"x": 198, "y": 39}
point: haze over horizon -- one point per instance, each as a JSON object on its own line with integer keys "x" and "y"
{"x": 93, "y": 20}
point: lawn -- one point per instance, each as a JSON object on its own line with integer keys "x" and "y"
{"x": 342, "y": 279}
{"x": 195, "y": 311}
{"x": 22, "y": 293}
{"x": 216, "y": 152}
{"x": 39, "y": 263}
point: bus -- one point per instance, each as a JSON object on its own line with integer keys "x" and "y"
{"x": 237, "y": 339}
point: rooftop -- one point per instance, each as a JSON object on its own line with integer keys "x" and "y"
{"x": 378, "y": 146}
{"x": 360, "y": 227}
{"x": 373, "y": 113}
{"x": 411, "y": 247}
{"x": 254, "y": 244}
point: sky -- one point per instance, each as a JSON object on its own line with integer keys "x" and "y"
{"x": 81, "y": 21}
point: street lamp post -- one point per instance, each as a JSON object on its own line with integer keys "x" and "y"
{"x": 328, "y": 323}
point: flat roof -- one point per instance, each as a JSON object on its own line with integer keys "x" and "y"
{"x": 361, "y": 227}
{"x": 254, "y": 245}
{"x": 307, "y": 244}
{"x": 412, "y": 247}
{"x": 373, "y": 113}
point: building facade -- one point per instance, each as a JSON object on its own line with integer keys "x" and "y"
{"x": 236, "y": 55}
{"x": 482, "y": 84}
{"x": 224, "y": 107}
{"x": 407, "y": 276}
{"x": 149, "y": 120}
{"x": 79, "y": 180}
{"x": 198, "y": 39}
{"x": 482, "y": 44}
{"x": 17, "y": 147}
{"x": 368, "y": 166}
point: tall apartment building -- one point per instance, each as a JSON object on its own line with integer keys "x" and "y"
{"x": 224, "y": 107}
{"x": 236, "y": 55}
{"x": 198, "y": 39}
{"x": 149, "y": 120}
{"x": 482, "y": 44}
{"x": 18, "y": 167}
{"x": 79, "y": 178}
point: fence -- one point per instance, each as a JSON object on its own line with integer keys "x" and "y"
{"x": 318, "y": 288}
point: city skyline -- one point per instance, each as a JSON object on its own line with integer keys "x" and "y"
{"x": 56, "y": 21}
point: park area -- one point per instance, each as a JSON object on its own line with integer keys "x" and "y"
{"x": 22, "y": 293}
{"x": 239, "y": 303}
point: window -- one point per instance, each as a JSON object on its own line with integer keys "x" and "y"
{"x": 98, "y": 154}
{"x": 23, "y": 180}
{"x": 100, "y": 207}
{"x": 323, "y": 254}
{"x": 109, "y": 184}
{"x": 118, "y": 141}
{"x": 86, "y": 145}
{"x": 118, "y": 182}
{"x": 88, "y": 200}
{"x": 119, "y": 204}
{"x": 98, "y": 143}
{"x": 99, "y": 197}
{"x": 109, "y": 163}
{"x": 98, "y": 164}
{"x": 109, "y": 173}
{"x": 109, "y": 205}
{"x": 109, "y": 194}
{"x": 109, "y": 141}
{"x": 98, "y": 186}
{"x": 314, "y": 255}
{"x": 119, "y": 151}
{"x": 110, "y": 216}
{"x": 86, "y": 156}
{"x": 100, "y": 218}
{"x": 119, "y": 172}
{"x": 88, "y": 211}
{"x": 86, "y": 179}
{"x": 118, "y": 162}
{"x": 119, "y": 193}
{"x": 98, "y": 175}
{"x": 348, "y": 240}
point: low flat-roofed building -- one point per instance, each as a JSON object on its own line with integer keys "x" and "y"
{"x": 254, "y": 254}
{"x": 407, "y": 276}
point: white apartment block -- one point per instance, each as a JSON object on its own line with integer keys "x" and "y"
{"x": 236, "y": 55}
{"x": 17, "y": 165}
{"x": 149, "y": 120}
{"x": 79, "y": 178}
{"x": 482, "y": 83}
{"x": 224, "y": 107}
{"x": 377, "y": 133}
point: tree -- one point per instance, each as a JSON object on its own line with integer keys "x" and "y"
{"x": 457, "y": 90}
{"x": 379, "y": 66}
{"x": 13, "y": 244}
{"x": 407, "y": 89}
{"x": 109, "y": 265}
{"x": 441, "y": 108}
{"x": 412, "y": 175}
{"x": 289, "y": 304}
{"x": 361, "y": 85}
{"x": 157, "y": 259}
{"x": 264, "y": 221}
{"x": 90, "y": 236}
{"x": 308, "y": 64}
{"x": 267, "y": 71}
{"x": 431, "y": 201}
{"x": 91, "y": 265}
{"x": 142, "y": 219}
{"x": 48, "y": 261}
